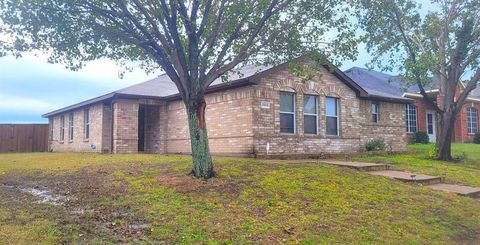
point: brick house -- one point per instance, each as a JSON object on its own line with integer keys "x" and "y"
{"x": 419, "y": 115}
{"x": 260, "y": 111}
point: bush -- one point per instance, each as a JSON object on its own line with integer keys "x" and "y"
{"x": 421, "y": 137}
{"x": 411, "y": 139}
{"x": 476, "y": 139}
{"x": 375, "y": 145}
{"x": 432, "y": 152}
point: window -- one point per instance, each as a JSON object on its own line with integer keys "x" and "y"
{"x": 375, "y": 112}
{"x": 411, "y": 118}
{"x": 70, "y": 126}
{"x": 287, "y": 112}
{"x": 331, "y": 106}
{"x": 310, "y": 117}
{"x": 50, "y": 129}
{"x": 62, "y": 128}
{"x": 86, "y": 123}
{"x": 472, "y": 120}
{"x": 430, "y": 122}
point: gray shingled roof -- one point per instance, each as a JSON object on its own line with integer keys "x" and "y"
{"x": 376, "y": 83}
{"x": 367, "y": 84}
{"x": 162, "y": 86}
{"x": 384, "y": 84}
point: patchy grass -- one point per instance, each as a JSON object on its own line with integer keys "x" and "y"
{"x": 465, "y": 171}
{"x": 150, "y": 199}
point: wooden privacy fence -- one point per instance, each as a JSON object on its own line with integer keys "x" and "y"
{"x": 23, "y": 137}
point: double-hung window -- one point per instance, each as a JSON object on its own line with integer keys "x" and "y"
{"x": 375, "y": 112}
{"x": 287, "y": 112}
{"x": 50, "y": 129}
{"x": 472, "y": 120}
{"x": 62, "y": 128}
{"x": 411, "y": 118}
{"x": 70, "y": 127}
{"x": 331, "y": 112}
{"x": 86, "y": 124}
{"x": 310, "y": 115}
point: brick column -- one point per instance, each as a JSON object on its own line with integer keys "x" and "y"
{"x": 125, "y": 126}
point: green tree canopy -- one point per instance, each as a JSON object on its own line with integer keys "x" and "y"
{"x": 442, "y": 45}
{"x": 193, "y": 41}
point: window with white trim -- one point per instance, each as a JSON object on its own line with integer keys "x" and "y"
{"x": 411, "y": 118}
{"x": 62, "y": 128}
{"x": 310, "y": 115}
{"x": 86, "y": 123}
{"x": 287, "y": 112}
{"x": 375, "y": 112}
{"x": 50, "y": 129}
{"x": 331, "y": 112}
{"x": 472, "y": 120}
{"x": 70, "y": 127}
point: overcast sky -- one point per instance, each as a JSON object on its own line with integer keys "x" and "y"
{"x": 30, "y": 87}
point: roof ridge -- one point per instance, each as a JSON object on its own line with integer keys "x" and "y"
{"x": 136, "y": 84}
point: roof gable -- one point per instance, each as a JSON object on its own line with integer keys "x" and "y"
{"x": 162, "y": 86}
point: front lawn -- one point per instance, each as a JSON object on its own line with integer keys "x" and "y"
{"x": 466, "y": 171}
{"x": 92, "y": 198}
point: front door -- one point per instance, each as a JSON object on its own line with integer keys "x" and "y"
{"x": 431, "y": 128}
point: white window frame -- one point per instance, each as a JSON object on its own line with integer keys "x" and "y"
{"x": 310, "y": 114}
{"x": 50, "y": 129}
{"x": 408, "y": 109}
{"x": 471, "y": 120}
{"x": 289, "y": 112}
{"x": 86, "y": 124}
{"x": 62, "y": 128}
{"x": 377, "y": 113}
{"x": 70, "y": 126}
{"x": 337, "y": 102}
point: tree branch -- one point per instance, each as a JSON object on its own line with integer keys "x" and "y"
{"x": 411, "y": 52}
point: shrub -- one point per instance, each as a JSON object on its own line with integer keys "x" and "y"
{"x": 411, "y": 139}
{"x": 421, "y": 137}
{"x": 476, "y": 139}
{"x": 375, "y": 145}
{"x": 432, "y": 152}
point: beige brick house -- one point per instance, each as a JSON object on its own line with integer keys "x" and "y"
{"x": 261, "y": 111}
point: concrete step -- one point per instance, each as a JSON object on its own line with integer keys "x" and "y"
{"x": 457, "y": 189}
{"x": 360, "y": 166}
{"x": 409, "y": 177}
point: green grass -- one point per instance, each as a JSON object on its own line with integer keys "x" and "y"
{"x": 466, "y": 171}
{"x": 250, "y": 202}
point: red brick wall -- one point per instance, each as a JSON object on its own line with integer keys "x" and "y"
{"x": 422, "y": 108}
{"x": 460, "y": 132}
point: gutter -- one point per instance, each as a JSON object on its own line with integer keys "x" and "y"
{"x": 390, "y": 99}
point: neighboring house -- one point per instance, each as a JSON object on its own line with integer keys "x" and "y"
{"x": 419, "y": 115}
{"x": 260, "y": 111}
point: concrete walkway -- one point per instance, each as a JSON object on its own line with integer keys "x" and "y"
{"x": 458, "y": 189}
{"x": 360, "y": 166}
{"x": 433, "y": 182}
{"x": 409, "y": 177}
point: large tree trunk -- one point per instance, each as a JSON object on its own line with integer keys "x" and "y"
{"x": 444, "y": 138}
{"x": 202, "y": 160}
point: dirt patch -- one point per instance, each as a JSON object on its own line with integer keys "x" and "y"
{"x": 76, "y": 202}
{"x": 45, "y": 196}
{"x": 180, "y": 182}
